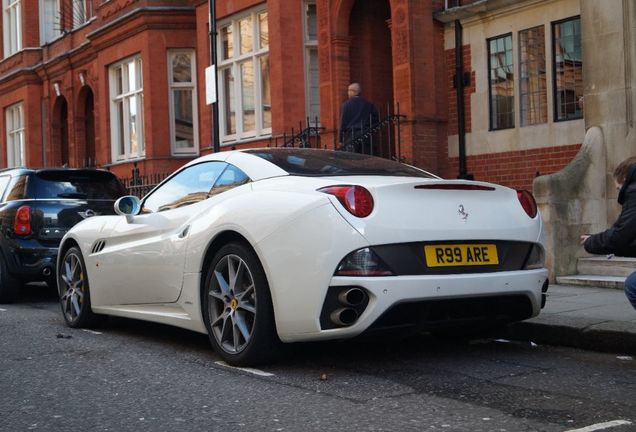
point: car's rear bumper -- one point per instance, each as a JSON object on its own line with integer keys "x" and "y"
{"x": 300, "y": 260}
{"x": 429, "y": 302}
{"x": 29, "y": 260}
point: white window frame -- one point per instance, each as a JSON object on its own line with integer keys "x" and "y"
{"x": 50, "y": 27}
{"x": 234, "y": 65}
{"x": 81, "y": 12}
{"x": 192, "y": 86}
{"x": 121, "y": 127}
{"x": 311, "y": 45}
{"x": 14, "y": 117}
{"x": 12, "y": 25}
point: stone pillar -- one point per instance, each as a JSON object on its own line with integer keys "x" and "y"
{"x": 572, "y": 202}
{"x": 581, "y": 198}
{"x": 415, "y": 82}
{"x": 609, "y": 73}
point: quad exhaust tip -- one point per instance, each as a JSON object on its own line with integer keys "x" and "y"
{"x": 344, "y": 316}
{"x": 352, "y": 297}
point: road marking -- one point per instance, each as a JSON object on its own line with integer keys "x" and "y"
{"x": 3, "y": 310}
{"x": 92, "y": 331}
{"x": 601, "y": 426}
{"x": 248, "y": 370}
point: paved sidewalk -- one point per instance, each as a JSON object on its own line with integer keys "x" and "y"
{"x": 598, "y": 319}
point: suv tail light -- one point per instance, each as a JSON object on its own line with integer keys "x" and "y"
{"x": 22, "y": 223}
{"x": 527, "y": 202}
{"x": 356, "y": 199}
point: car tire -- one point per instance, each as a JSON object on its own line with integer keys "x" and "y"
{"x": 9, "y": 285}
{"x": 237, "y": 307}
{"x": 73, "y": 290}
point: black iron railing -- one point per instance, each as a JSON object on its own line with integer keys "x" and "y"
{"x": 379, "y": 136}
{"x": 140, "y": 185}
{"x": 306, "y": 137}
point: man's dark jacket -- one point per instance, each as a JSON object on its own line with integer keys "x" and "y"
{"x": 620, "y": 239}
{"x": 356, "y": 114}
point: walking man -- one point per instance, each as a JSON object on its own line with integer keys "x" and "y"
{"x": 356, "y": 117}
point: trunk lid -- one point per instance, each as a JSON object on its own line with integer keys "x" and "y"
{"x": 416, "y": 210}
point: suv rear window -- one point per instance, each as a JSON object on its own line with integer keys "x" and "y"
{"x": 324, "y": 163}
{"x": 76, "y": 184}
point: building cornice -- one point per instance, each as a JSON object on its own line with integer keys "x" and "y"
{"x": 84, "y": 52}
{"x": 482, "y": 8}
{"x": 133, "y": 14}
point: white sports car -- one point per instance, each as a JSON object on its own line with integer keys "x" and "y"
{"x": 260, "y": 246}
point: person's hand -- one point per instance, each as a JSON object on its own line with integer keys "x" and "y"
{"x": 584, "y": 237}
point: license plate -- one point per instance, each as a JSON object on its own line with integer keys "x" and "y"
{"x": 444, "y": 255}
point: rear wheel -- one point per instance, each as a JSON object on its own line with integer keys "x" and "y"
{"x": 74, "y": 292}
{"x": 237, "y": 307}
{"x": 9, "y": 285}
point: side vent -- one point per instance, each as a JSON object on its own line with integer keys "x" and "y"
{"x": 98, "y": 246}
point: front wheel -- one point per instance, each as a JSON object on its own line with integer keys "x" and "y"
{"x": 237, "y": 307}
{"x": 72, "y": 282}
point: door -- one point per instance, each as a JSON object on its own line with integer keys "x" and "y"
{"x": 146, "y": 257}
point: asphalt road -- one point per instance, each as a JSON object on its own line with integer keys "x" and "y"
{"x": 135, "y": 376}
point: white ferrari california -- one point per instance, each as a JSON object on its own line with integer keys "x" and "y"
{"x": 260, "y": 246}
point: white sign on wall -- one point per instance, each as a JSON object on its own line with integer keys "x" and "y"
{"x": 210, "y": 84}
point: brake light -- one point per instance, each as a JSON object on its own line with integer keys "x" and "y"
{"x": 455, "y": 186}
{"x": 356, "y": 199}
{"x": 527, "y": 202}
{"x": 22, "y": 223}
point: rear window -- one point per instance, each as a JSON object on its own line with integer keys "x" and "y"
{"x": 324, "y": 163}
{"x": 78, "y": 184}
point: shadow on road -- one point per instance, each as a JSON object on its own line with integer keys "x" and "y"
{"x": 383, "y": 348}
{"x": 37, "y": 292}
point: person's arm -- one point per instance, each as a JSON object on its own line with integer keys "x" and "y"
{"x": 616, "y": 238}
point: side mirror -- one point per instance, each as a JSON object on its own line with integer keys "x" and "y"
{"x": 128, "y": 206}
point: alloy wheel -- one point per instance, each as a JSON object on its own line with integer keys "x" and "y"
{"x": 232, "y": 304}
{"x": 72, "y": 277}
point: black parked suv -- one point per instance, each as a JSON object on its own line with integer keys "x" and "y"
{"x": 37, "y": 207}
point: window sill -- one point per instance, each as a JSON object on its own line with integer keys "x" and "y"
{"x": 231, "y": 142}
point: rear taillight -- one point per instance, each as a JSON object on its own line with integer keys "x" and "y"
{"x": 527, "y": 202}
{"x": 536, "y": 258}
{"x": 22, "y": 223}
{"x": 356, "y": 199}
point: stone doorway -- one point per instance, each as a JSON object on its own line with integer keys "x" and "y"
{"x": 371, "y": 61}
{"x": 59, "y": 133}
{"x": 85, "y": 124}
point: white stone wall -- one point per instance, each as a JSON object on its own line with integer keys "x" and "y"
{"x": 512, "y": 17}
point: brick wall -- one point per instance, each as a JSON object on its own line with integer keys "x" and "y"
{"x": 452, "y": 92}
{"x": 516, "y": 169}
{"x": 370, "y": 52}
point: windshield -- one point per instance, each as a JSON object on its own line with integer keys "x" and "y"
{"x": 323, "y": 163}
{"x": 78, "y": 184}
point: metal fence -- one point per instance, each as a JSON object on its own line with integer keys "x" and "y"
{"x": 139, "y": 185}
{"x": 380, "y": 136}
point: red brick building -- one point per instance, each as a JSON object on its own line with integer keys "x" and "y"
{"x": 113, "y": 83}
